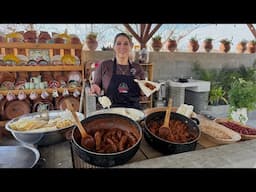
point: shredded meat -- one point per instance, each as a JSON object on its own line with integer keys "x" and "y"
{"x": 150, "y": 86}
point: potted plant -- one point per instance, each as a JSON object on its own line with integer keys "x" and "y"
{"x": 156, "y": 43}
{"x": 91, "y": 41}
{"x": 208, "y": 44}
{"x": 241, "y": 46}
{"x": 251, "y": 46}
{"x": 225, "y": 45}
{"x": 217, "y": 95}
{"x": 242, "y": 98}
{"x": 171, "y": 44}
{"x": 193, "y": 44}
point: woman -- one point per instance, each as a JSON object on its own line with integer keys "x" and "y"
{"x": 116, "y": 77}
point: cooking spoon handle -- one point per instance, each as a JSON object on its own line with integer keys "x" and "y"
{"x": 168, "y": 113}
{"x": 77, "y": 121}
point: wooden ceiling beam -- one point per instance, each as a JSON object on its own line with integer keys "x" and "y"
{"x": 252, "y": 29}
{"x": 153, "y": 31}
{"x": 146, "y": 32}
{"x": 142, "y": 29}
{"x": 135, "y": 35}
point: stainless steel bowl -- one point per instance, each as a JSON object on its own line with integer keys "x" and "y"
{"x": 20, "y": 156}
{"x": 41, "y": 138}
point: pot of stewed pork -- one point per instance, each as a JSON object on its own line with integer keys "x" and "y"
{"x": 182, "y": 136}
{"x": 117, "y": 139}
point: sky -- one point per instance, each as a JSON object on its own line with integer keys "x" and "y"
{"x": 106, "y": 32}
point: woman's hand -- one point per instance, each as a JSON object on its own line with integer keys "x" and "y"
{"x": 95, "y": 89}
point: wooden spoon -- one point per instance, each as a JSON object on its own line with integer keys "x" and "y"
{"x": 165, "y": 130}
{"x": 87, "y": 140}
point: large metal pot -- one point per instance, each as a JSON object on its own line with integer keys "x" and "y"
{"x": 41, "y": 138}
{"x": 107, "y": 121}
{"x": 165, "y": 146}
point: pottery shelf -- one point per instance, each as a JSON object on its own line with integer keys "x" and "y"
{"x": 148, "y": 68}
{"x": 47, "y": 51}
{"x": 39, "y": 91}
{"x": 23, "y": 48}
{"x": 43, "y": 68}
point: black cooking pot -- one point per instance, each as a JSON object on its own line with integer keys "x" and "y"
{"x": 169, "y": 147}
{"x": 107, "y": 121}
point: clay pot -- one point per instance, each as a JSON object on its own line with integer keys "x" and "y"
{"x": 16, "y": 108}
{"x": 193, "y": 45}
{"x": 60, "y": 102}
{"x": 30, "y": 36}
{"x": 207, "y": 45}
{"x": 44, "y": 37}
{"x": 92, "y": 44}
{"x": 171, "y": 45}
{"x": 157, "y": 45}
{"x": 251, "y": 47}
{"x": 241, "y": 47}
{"x": 224, "y": 47}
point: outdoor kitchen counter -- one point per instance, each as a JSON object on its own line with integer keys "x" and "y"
{"x": 237, "y": 155}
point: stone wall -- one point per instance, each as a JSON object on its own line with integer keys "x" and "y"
{"x": 170, "y": 65}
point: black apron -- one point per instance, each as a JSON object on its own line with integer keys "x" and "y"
{"x": 123, "y": 91}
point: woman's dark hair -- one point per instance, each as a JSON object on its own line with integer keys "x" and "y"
{"x": 125, "y": 35}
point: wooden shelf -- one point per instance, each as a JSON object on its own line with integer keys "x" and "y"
{"x": 21, "y": 45}
{"x": 149, "y": 101}
{"x": 39, "y": 91}
{"x": 148, "y": 67}
{"x": 43, "y": 68}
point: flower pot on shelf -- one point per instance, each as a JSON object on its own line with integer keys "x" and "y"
{"x": 251, "y": 46}
{"x": 241, "y": 47}
{"x": 92, "y": 44}
{"x": 207, "y": 45}
{"x": 91, "y": 41}
{"x": 225, "y": 45}
{"x": 193, "y": 45}
{"x": 156, "y": 43}
{"x": 171, "y": 45}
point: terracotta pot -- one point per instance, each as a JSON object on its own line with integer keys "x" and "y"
{"x": 207, "y": 45}
{"x": 251, "y": 47}
{"x": 241, "y": 47}
{"x": 157, "y": 45}
{"x": 16, "y": 108}
{"x": 171, "y": 45}
{"x": 44, "y": 37}
{"x": 193, "y": 46}
{"x": 60, "y": 102}
{"x": 224, "y": 47}
{"x": 92, "y": 44}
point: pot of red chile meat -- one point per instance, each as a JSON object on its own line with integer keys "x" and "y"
{"x": 183, "y": 136}
{"x": 117, "y": 139}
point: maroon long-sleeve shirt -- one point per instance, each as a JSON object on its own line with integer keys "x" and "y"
{"x": 104, "y": 71}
